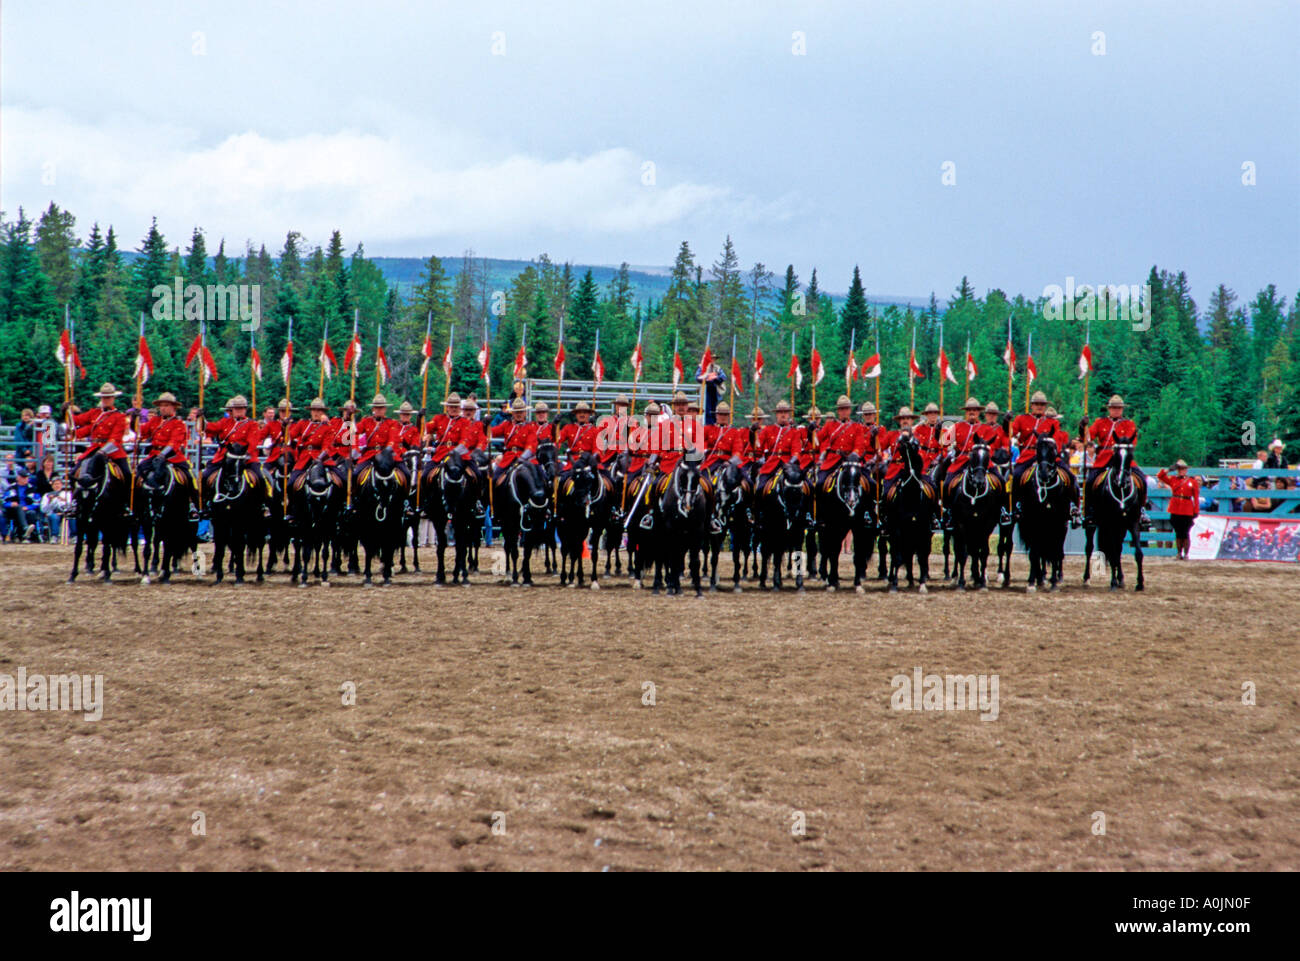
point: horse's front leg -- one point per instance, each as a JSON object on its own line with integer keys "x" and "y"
{"x": 1137, "y": 559}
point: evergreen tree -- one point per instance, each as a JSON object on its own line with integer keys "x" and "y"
{"x": 56, "y": 240}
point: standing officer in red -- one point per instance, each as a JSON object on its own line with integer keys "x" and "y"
{"x": 168, "y": 437}
{"x": 1184, "y": 504}
{"x": 838, "y": 438}
{"x": 105, "y": 426}
{"x": 1106, "y": 432}
{"x": 780, "y": 442}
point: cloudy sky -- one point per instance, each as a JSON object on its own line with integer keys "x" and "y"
{"x": 815, "y": 133}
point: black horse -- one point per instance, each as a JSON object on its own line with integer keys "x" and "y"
{"x": 99, "y": 498}
{"x": 976, "y": 497}
{"x": 781, "y": 505}
{"x": 1044, "y": 492}
{"x": 380, "y": 491}
{"x": 581, "y": 508}
{"x": 908, "y": 503}
{"x": 315, "y": 499}
{"x": 279, "y": 541}
{"x": 162, "y": 505}
{"x": 843, "y": 508}
{"x": 449, "y": 496}
{"x": 1118, "y": 493}
{"x": 682, "y": 509}
{"x": 235, "y": 493}
{"x": 521, "y": 508}
{"x": 623, "y": 486}
{"x": 733, "y": 497}
{"x": 412, "y": 513}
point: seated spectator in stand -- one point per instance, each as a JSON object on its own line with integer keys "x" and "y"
{"x": 1257, "y": 504}
{"x": 55, "y": 507}
{"x": 20, "y": 508}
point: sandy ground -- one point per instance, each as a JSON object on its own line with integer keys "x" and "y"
{"x": 499, "y": 728}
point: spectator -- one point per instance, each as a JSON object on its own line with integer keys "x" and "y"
{"x": 713, "y": 380}
{"x": 25, "y": 433}
{"x": 1258, "y": 504}
{"x": 20, "y": 508}
{"x": 56, "y": 506}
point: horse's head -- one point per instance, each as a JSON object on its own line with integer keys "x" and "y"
{"x": 90, "y": 476}
{"x": 850, "y": 483}
{"x": 909, "y": 448}
{"x": 978, "y": 459}
{"x": 317, "y": 482}
{"x": 1046, "y": 453}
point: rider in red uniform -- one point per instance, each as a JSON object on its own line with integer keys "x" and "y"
{"x": 871, "y": 435}
{"x": 780, "y": 442}
{"x": 234, "y": 428}
{"x": 106, "y": 428}
{"x": 579, "y": 438}
{"x": 889, "y": 442}
{"x": 729, "y": 443}
{"x": 317, "y": 441}
{"x": 838, "y": 438}
{"x": 380, "y": 431}
{"x": 168, "y": 436}
{"x": 520, "y": 441}
{"x": 928, "y": 435}
{"x": 1106, "y": 432}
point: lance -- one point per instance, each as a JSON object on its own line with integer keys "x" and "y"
{"x": 1011, "y": 376}
{"x": 325, "y": 339}
{"x": 135, "y": 423}
{"x": 446, "y": 379}
{"x": 379, "y": 345}
{"x": 1083, "y": 434}
{"x": 1029, "y": 355}
{"x": 877, "y": 379}
{"x": 812, "y": 373}
{"x": 252, "y": 373}
{"x": 911, "y": 374}
{"x": 708, "y": 342}
{"x": 733, "y": 367}
{"x": 68, "y": 393}
{"x": 559, "y": 384}
{"x": 942, "y": 376}
{"x": 352, "y": 391}
{"x": 286, "y": 453}
{"x": 794, "y": 356}
{"x": 758, "y": 349}
{"x": 848, "y": 382}
{"x": 636, "y": 372}
{"x": 967, "y": 362}
{"x": 594, "y": 385}
{"x": 200, "y": 421}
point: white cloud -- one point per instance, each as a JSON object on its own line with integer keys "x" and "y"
{"x": 384, "y": 189}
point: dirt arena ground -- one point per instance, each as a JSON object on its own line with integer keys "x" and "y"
{"x": 524, "y": 709}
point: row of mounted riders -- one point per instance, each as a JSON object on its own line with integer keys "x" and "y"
{"x": 312, "y": 511}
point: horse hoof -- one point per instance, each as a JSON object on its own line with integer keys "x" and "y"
{"x": 699, "y": 595}
{"x": 636, "y": 585}
{"x": 368, "y": 583}
{"x": 923, "y": 589}
{"x": 1054, "y": 588}
{"x": 1030, "y": 588}
{"x": 302, "y": 583}
{"x": 145, "y": 580}
{"x": 1140, "y": 587}
{"x": 325, "y": 583}
{"x": 860, "y": 589}
{"x": 654, "y": 591}
{"x": 893, "y": 588}
{"x": 830, "y": 588}
{"x": 736, "y": 589}
{"x": 595, "y": 585}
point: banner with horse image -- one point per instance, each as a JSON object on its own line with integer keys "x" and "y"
{"x": 1233, "y": 539}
